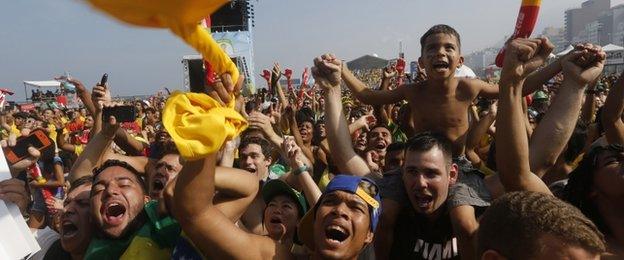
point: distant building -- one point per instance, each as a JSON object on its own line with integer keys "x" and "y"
{"x": 479, "y": 60}
{"x": 617, "y": 35}
{"x": 557, "y": 37}
{"x": 578, "y": 20}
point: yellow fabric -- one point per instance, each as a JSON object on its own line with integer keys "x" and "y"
{"x": 145, "y": 248}
{"x": 199, "y": 125}
{"x": 52, "y": 132}
{"x": 139, "y": 121}
{"x": 181, "y": 17}
{"x": 16, "y": 131}
{"x": 78, "y": 149}
{"x": 322, "y": 183}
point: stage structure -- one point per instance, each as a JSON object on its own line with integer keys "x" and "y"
{"x": 232, "y": 28}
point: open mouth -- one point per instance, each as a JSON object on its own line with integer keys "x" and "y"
{"x": 441, "y": 65}
{"x": 336, "y": 234}
{"x": 424, "y": 201}
{"x": 158, "y": 185}
{"x": 69, "y": 229}
{"x": 114, "y": 213}
{"x": 249, "y": 169}
{"x": 276, "y": 220}
{"x": 380, "y": 145}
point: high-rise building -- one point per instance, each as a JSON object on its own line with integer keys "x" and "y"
{"x": 617, "y": 34}
{"x": 577, "y": 20}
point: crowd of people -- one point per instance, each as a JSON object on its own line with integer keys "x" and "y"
{"x": 354, "y": 167}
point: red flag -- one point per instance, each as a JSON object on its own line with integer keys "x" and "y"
{"x": 400, "y": 67}
{"x": 266, "y": 74}
{"x": 304, "y": 77}
{"x": 288, "y": 74}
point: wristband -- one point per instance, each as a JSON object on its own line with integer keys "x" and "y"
{"x": 300, "y": 170}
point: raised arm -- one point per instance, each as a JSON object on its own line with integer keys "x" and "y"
{"x": 552, "y": 134}
{"x": 327, "y": 74}
{"x": 479, "y": 130}
{"x": 589, "y": 105}
{"x": 275, "y": 76}
{"x": 367, "y": 95}
{"x": 300, "y": 170}
{"x": 612, "y": 113}
{"x": 512, "y": 147}
{"x": 93, "y": 152}
{"x": 214, "y": 234}
{"x": 83, "y": 94}
{"x": 128, "y": 143}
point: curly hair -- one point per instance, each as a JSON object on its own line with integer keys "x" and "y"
{"x": 528, "y": 217}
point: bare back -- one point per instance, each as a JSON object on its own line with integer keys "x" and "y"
{"x": 443, "y": 109}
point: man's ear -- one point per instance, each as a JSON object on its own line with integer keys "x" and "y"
{"x": 461, "y": 61}
{"x": 369, "y": 237}
{"x": 269, "y": 160}
{"x": 453, "y": 173}
{"x": 146, "y": 199}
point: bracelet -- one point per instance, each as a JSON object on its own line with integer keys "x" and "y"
{"x": 300, "y": 170}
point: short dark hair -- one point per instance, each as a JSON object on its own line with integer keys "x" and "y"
{"x": 527, "y": 217}
{"x": 426, "y": 141}
{"x": 168, "y": 147}
{"x": 122, "y": 164}
{"x": 439, "y": 28}
{"x": 84, "y": 180}
{"x": 263, "y": 143}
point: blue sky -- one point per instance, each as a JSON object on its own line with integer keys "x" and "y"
{"x": 42, "y": 39}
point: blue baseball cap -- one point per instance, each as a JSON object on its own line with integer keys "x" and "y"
{"x": 361, "y": 186}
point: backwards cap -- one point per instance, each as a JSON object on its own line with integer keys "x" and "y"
{"x": 349, "y": 184}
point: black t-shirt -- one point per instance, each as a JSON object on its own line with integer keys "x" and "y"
{"x": 56, "y": 251}
{"x": 416, "y": 238}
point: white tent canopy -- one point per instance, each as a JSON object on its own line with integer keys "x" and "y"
{"x": 464, "y": 72}
{"x": 43, "y": 84}
{"x": 612, "y": 47}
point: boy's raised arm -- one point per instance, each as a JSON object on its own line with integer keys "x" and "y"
{"x": 326, "y": 72}
{"x": 367, "y": 95}
{"x": 512, "y": 146}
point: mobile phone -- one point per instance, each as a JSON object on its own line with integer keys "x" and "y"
{"x": 37, "y": 139}
{"x": 123, "y": 114}
{"x": 104, "y": 79}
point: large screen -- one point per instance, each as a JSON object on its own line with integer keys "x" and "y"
{"x": 230, "y": 17}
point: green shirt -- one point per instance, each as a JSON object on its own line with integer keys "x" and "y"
{"x": 154, "y": 240}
